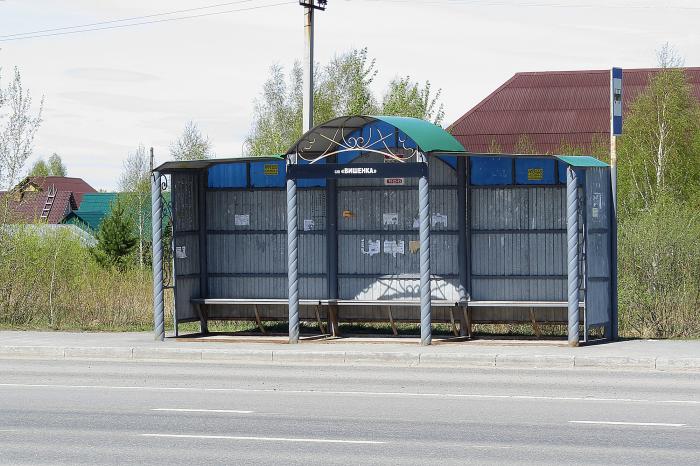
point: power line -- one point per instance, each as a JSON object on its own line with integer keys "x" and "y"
{"x": 133, "y": 18}
{"x": 165, "y": 20}
{"x": 480, "y": 3}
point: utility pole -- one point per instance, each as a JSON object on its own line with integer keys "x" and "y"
{"x": 615, "y": 131}
{"x": 310, "y": 6}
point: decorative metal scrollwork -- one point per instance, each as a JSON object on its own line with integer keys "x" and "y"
{"x": 375, "y": 142}
{"x": 167, "y": 238}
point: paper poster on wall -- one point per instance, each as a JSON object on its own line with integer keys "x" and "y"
{"x": 394, "y": 247}
{"x": 597, "y": 204}
{"x": 373, "y": 247}
{"x": 413, "y": 246}
{"x": 181, "y": 252}
{"x": 390, "y": 219}
{"x": 309, "y": 224}
{"x": 439, "y": 220}
{"x": 241, "y": 220}
{"x": 416, "y": 222}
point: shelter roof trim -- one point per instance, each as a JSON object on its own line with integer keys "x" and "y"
{"x": 168, "y": 167}
{"x": 337, "y": 132}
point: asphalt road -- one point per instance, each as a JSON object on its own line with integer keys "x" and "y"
{"x": 76, "y": 412}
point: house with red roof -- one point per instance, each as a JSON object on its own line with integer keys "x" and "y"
{"x": 552, "y": 109}
{"x": 46, "y": 199}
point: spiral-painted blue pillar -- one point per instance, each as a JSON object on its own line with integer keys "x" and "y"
{"x": 426, "y": 336}
{"x": 157, "y": 231}
{"x": 572, "y": 212}
{"x": 293, "y": 252}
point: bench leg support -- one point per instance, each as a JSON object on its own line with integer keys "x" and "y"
{"x": 333, "y": 328}
{"x": 468, "y": 322}
{"x": 203, "y": 326}
{"x": 535, "y": 325}
{"x": 321, "y": 327}
{"x": 455, "y": 331}
{"x": 258, "y": 320}
{"x": 394, "y": 329}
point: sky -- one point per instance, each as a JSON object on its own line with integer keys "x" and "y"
{"x": 108, "y": 91}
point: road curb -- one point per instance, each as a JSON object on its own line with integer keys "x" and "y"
{"x": 352, "y": 358}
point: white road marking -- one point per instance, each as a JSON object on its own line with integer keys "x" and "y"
{"x": 188, "y": 410}
{"x": 619, "y": 423}
{"x": 265, "y": 439}
{"x": 352, "y": 393}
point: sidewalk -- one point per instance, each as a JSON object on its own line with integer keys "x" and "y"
{"x": 376, "y": 351}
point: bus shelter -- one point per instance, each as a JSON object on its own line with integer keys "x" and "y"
{"x": 375, "y": 218}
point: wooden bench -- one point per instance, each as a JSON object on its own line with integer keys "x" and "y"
{"x": 333, "y": 305}
{"x": 465, "y": 317}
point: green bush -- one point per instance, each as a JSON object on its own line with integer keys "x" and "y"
{"x": 659, "y": 272}
{"x": 51, "y": 280}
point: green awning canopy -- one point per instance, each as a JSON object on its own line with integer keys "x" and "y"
{"x": 327, "y": 136}
{"x": 582, "y": 161}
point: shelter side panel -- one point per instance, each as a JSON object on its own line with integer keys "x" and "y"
{"x": 518, "y": 243}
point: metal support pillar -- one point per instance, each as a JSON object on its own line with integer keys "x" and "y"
{"x": 462, "y": 240}
{"x": 308, "y": 87}
{"x": 332, "y": 250}
{"x": 292, "y": 227}
{"x": 613, "y": 238}
{"x": 572, "y": 230}
{"x": 202, "y": 223}
{"x": 157, "y": 230}
{"x": 292, "y": 249}
{"x": 424, "y": 218}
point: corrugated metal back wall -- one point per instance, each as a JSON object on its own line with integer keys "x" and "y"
{"x": 247, "y": 243}
{"x": 378, "y": 257}
{"x": 518, "y": 239}
{"x": 518, "y": 243}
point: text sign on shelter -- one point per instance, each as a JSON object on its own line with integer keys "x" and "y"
{"x": 616, "y": 101}
{"x": 357, "y": 170}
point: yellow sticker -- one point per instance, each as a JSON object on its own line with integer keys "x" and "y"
{"x": 535, "y": 174}
{"x": 271, "y": 169}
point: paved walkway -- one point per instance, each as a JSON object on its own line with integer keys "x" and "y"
{"x": 632, "y": 355}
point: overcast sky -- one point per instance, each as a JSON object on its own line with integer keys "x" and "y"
{"x": 109, "y": 91}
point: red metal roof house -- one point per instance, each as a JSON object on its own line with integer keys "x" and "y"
{"x": 551, "y": 108}
{"x": 48, "y": 198}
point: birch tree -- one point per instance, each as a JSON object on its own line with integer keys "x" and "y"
{"x": 19, "y": 122}
{"x": 135, "y": 186}
{"x": 191, "y": 145}
{"x": 660, "y": 147}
